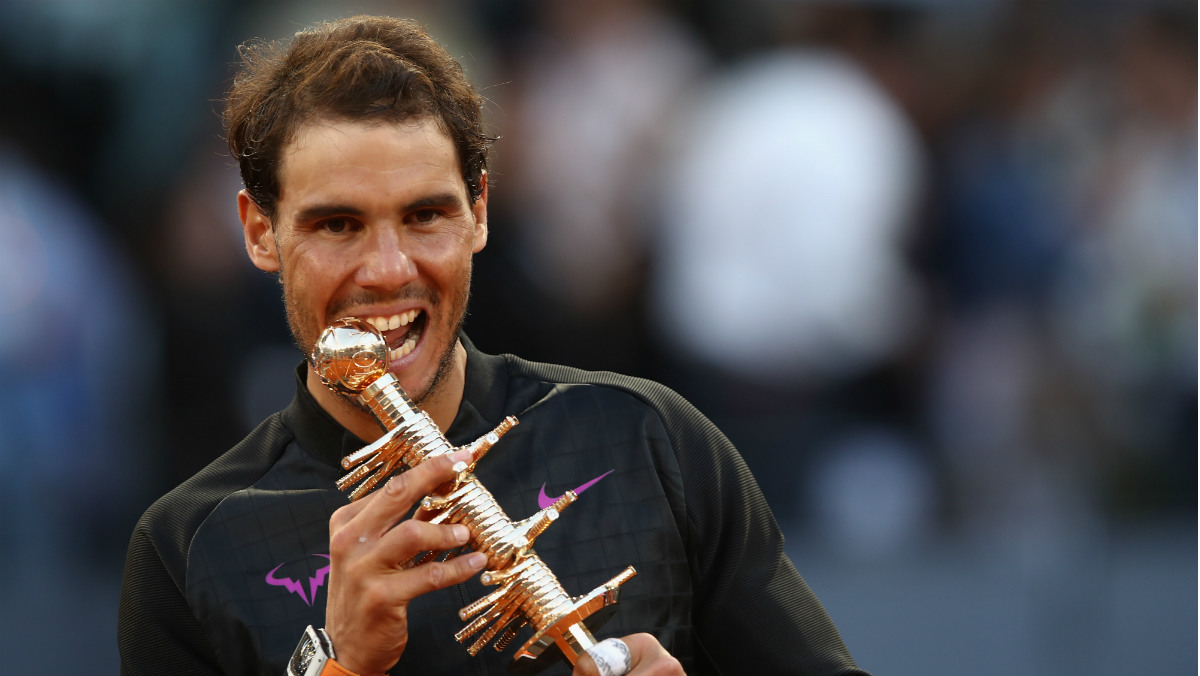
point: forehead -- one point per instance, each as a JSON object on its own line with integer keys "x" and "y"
{"x": 341, "y": 155}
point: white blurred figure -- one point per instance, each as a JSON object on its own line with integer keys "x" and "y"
{"x": 785, "y": 211}
{"x": 781, "y": 276}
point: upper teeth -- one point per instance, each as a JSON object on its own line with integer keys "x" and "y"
{"x": 394, "y": 321}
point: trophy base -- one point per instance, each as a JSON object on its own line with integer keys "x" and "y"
{"x": 545, "y": 652}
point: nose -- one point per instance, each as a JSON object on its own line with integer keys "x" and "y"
{"x": 386, "y": 264}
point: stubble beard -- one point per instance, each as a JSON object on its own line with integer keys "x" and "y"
{"x": 300, "y": 318}
{"x": 446, "y": 360}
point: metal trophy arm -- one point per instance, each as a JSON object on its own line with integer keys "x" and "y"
{"x": 350, "y": 357}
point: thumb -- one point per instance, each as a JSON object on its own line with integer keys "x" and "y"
{"x": 610, "y": 657}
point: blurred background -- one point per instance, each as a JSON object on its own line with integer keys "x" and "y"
{"x": 931, "y": 264}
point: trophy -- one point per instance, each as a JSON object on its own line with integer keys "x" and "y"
{"x": 351, "y": 358}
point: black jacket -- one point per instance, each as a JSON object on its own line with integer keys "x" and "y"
{"x": 224, "y": 572}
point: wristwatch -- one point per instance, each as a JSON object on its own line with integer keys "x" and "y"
{"x": 315, "y": 657}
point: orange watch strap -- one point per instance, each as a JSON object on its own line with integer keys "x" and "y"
{"x": 332, "y": 668}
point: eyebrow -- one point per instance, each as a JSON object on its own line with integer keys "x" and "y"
{"x": 446, "y": 199}
{"x": 319, "y": 211}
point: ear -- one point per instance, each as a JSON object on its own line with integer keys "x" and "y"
{"x": 479, "y": 210}
{"x": 260, "y": 237}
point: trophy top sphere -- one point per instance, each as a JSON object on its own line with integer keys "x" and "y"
{"x": 349, "y": 355}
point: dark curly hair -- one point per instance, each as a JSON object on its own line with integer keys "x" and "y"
{"x": 360, "y": 68}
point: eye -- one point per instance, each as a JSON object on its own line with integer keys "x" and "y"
{"x": 338, "y": 225}
{"x": 424, "y": 216}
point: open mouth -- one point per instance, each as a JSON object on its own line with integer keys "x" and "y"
{"x": 402, "y": 331}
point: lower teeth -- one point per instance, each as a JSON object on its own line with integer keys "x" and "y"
{"x": 407, "y": 346}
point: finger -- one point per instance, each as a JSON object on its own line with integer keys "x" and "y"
{"x": 423, "y": 514}
{"x": 401, "y": 492}
{"x": 434, "y": 575}
{"x": 412, "y": 537}
{"x": 346, "y": 513}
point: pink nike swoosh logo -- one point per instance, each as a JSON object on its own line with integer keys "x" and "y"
{"x": 544, "y": 501}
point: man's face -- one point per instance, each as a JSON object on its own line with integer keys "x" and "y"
{"x": 374, "y": 221}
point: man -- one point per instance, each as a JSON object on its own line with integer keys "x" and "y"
{"x": 361, "y": 149}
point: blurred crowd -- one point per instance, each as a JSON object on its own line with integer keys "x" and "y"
{"x": 931, "y": 265}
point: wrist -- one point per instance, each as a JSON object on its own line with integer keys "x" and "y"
{"x": 315, "y": 656}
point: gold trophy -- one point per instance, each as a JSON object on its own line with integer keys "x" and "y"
{"x": 351, "y": 358}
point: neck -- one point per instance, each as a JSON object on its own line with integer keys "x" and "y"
{"x": 441, "y": 405}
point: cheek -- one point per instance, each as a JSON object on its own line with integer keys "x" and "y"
{"x": 308, "y": 288}
{"x": 447, "y": 263}
{"x": 455, "y": 272}
{"x": 314, "y": 270}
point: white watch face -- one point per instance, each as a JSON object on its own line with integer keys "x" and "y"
{"x": 309, "y": 655}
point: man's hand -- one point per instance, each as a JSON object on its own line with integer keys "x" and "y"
{"x": 369, "y": 589}
{"x": 647, "y": 657}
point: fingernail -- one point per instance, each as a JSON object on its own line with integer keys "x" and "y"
{"x": 476, "y": 560}
{"x": 461, "y": 533}
{"x": 460, "y": 456}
